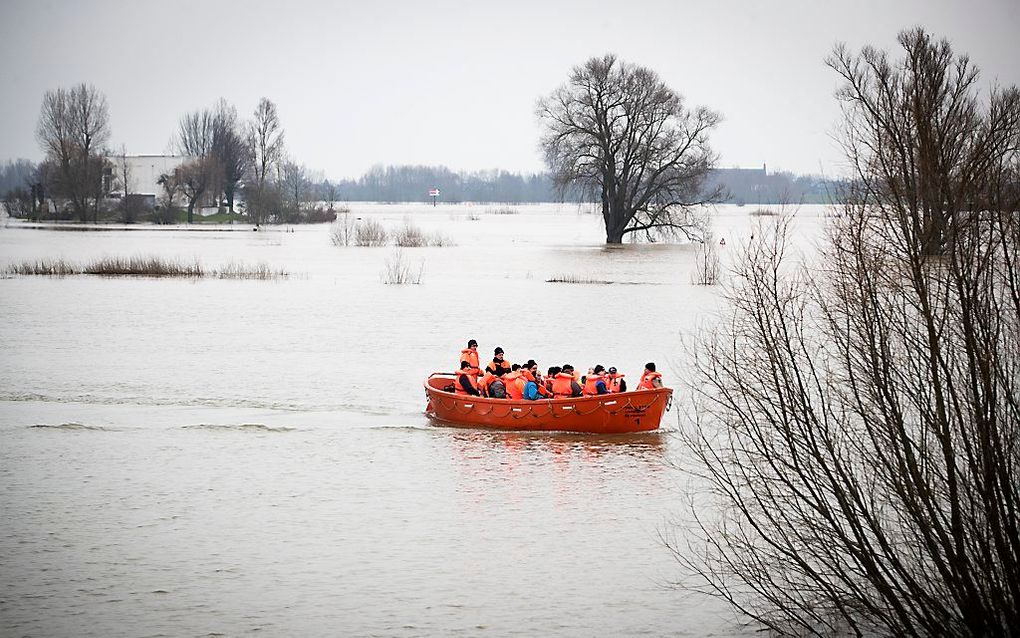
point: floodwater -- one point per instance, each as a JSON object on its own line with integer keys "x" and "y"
{"x": 203, "y": 457}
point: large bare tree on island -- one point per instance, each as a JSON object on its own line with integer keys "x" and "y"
{"x": 860, "y": 418}
{"x": 618, "y": 132}
{"x": 74, "y": 125}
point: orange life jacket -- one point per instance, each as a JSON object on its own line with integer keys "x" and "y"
{"x": 528, "y": 375}
{"x": 515, "y": 383}
{"x": 589, "y": 384}
{"x": 646, "y": 380}
{"x": 561, "y": 384}
{"x": 472, "y": 377}
{"x": 504, "y": 365}
{"x": 470, "y": 355}
{"x": 483, "y": 385}
{"x": 543, "y": 390}
{"x": 614, "y": 382}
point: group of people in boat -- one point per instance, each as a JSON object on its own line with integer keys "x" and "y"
{"x": 502, "y": 380}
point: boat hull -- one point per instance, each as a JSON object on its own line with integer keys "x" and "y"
{"x": 638, "y": 411}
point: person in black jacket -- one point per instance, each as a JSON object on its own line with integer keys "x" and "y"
{"x": 467, "y": 380}
{"x": 498, "y": 366}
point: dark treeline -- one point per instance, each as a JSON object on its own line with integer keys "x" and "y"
{"x": 412, "y": 184}
{"x": 16, "y": 174}
{"x": 406, "y": 183}
{"x": 754, "y": 186}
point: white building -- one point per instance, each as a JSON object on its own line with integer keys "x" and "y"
{"x": 143, "y": 172}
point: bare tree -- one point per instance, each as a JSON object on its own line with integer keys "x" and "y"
{"x": 860, "y": 425}
{"x": 229, "y": 148}
{"x": 195, "y": 133}
{"x": 73, "y": 127}
{"x": 707, "y": 264}
{"x": 617, "y": 131}
{"x": 196, "y": 177}
{"x": 168, "y": 201}
{"x": 124, "y": 171}
{"x": 916, "y": 133}
{"x": 294, "y": 182}
{"x": 265, "y": 152}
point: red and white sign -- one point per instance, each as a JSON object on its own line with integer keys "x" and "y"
{"x": 433, "y": 192}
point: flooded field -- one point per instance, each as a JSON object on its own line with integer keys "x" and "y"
{"x": 221, "y": 456}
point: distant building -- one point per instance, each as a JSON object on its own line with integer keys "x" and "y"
{"x": 143, "y": 172}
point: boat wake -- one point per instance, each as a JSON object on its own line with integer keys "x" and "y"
{"x": 202, "y": 402}
{"x": 76, "y": 427}
{"x": 238, "y": 427}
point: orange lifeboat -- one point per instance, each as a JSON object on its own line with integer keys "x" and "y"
{"x": 618, "y": 413}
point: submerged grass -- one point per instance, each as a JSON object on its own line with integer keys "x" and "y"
{"x": 143, "y": 266}
{"x": 54, "y": 267}
{"x": 502, "y": 210}
{"x": 575, "y": 279}
{"x": 261, "y": 270}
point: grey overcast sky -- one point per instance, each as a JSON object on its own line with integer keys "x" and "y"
{"x": 455, "y": 83}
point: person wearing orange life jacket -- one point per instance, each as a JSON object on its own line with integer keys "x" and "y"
{"x": 499, "y": 365}
{"x": 548, "y": 378}
{"x": 467, "y": 380}
{"x": 534, "y": 388}
{"x": 497, "y": 388}
{"x": 615, "y": 381}
{"x": 470, "y": 353}
{"x": 595, "y": 382}
{"x": 485, "y": 382}
{"x": 515, "y": 383}
{"x": 650, "y": 379}
{"x": 564, "y": 383}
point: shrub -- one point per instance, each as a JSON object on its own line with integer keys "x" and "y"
{"x": 398, "y": 271}
{"x": 370, "y": 233}
{"x": 320, "y": 215}
{"x": 410, "y": 236}
{"x": 261, "y": 270}
{"x": 165, "y": 215}
{"x": 18, "y": 202}
{"x": 706, "y": 262}
{"x": 342, "y": 232}
{"x": 131, "y": 207}
{"x": 502, "y": 210}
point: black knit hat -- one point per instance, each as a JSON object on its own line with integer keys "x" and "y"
{"x": 498, "y": 350}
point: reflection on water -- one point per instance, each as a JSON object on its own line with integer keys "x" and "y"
{"x": 202, "y": 457}
{"x": 647, "y": 445}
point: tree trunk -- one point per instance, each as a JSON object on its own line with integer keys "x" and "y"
{"x": 191, "y": 211}
{"x": 616, "y": 221}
